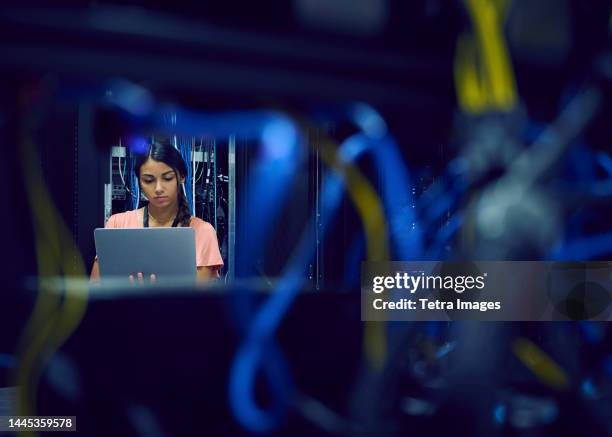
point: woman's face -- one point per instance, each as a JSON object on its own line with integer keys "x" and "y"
{"x": 159, "y": 184}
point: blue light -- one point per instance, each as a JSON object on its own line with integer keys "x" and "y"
{"x": 138, "y": 145}
{"x": 278, "y": 137}
{"x": 499, "y": 413}
{"x": 588, "y": 388}
{"x": 446, "y": 349}
{"x": 370, "y": 122}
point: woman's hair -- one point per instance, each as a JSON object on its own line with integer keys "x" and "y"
{"x": 165, "y": 152}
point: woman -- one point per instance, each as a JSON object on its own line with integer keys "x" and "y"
{"x": 161, "y": 171}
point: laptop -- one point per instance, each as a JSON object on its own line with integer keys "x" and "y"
{"x": 169, "y": 253}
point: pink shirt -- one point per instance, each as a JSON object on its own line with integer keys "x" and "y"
{"x": 207, "y": 247}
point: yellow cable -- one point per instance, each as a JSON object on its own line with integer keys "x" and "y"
{"x": 488, "y": 17}
{"x": 484, "y": 78}
{"x": 52, "y": 320}
{"x": 371, "y": 212}
{"x": 466, "y": 77}
{"x": 540, "y": 364}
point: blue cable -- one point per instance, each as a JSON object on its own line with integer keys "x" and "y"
{"x": 135, "y": 195}
{"x": 184, "y": 147}
{"x": 259, "y": 340}
{"x": 606, "y": 162}
{"x": 267, "y": 188}
{"x": 215, "y": 181}
{"x": 444, "y": 235}
{"x": 399, "y": 203}
{"x": 189, "y": 180}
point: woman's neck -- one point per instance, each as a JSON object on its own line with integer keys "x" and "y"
{"x": 163, "y": 215}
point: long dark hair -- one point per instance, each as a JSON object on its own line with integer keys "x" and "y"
{"x": 165, "y": 152}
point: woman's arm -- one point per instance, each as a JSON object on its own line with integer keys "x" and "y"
{"x": 208, "y": 255}
{"x": 95, "y": 272}
{"x": 204, "y": 274}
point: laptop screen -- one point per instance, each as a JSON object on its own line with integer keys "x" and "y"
{"x": 169, "y": 253}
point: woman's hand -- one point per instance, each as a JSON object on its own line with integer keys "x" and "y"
{"x": 140, "y": 279}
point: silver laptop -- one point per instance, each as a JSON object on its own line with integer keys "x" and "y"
{"x": 167, "y": 252}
